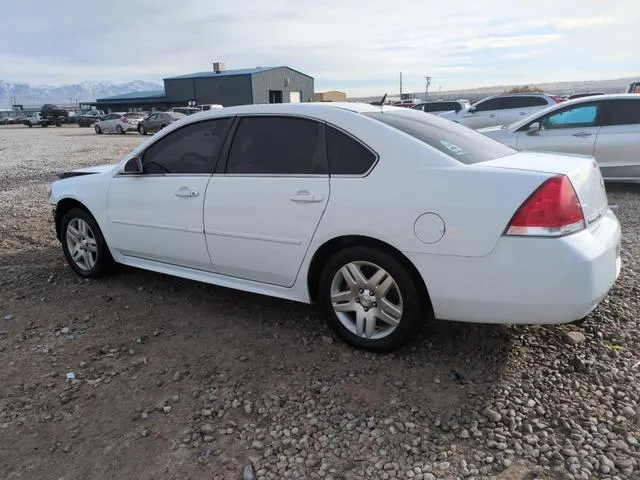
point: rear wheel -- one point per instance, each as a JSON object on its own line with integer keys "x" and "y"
{"x": 141, "y": 130}
{"x": 98, "y": 129}
{"x": 83, "y": 244}
{"x": 370, "y": 300}
{"x": 119, "y": 130}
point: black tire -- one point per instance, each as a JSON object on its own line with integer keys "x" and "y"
{"x": 30, "y": 125}
{"x": 44, "y": 125}
{"x": 104, "y": 263}
{"x": 141, "y": 130}
{"x": 98, "y": 130}
{"x": 162, "y": 126}
{"x": 120, "y": 130}
{"x": 58, "y": 125}
{"x": 416, "y": 311}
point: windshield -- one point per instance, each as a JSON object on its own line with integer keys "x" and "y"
{"x": 461, "y": 143}
{"x": 176, "y": 115}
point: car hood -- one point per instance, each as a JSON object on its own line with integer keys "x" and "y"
{"x": 88, "y": 170}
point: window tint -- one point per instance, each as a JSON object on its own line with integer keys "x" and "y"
{"x": 491, "y": 104}
{"x": 623, "y": 112}
{"x": 193, "y": 148}
{"x": 134, "y": 115}
{"x": 277, "y": 146}
{"x": 524, "y": 102}
{"x": 579, "y": 116}
{"x": 445, "y": 106}
{"x": 347, "y": 156}
{"x": 459, "y": 142}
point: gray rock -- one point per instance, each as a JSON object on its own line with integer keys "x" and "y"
{"x": 574, "y": 338}
{"x": 492, "y": 414}
{"x": 8, "y": 316}
{"x": 248, "y": 472}
{"x": 628, "y": 411}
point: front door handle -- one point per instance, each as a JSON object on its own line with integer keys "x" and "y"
{"x": 305, "y": 196}
{"x": 492, "y": 116}
{"x": 582, "y": 134}
{"x": 523, "y": 113}
{"x": 187, "y": 192}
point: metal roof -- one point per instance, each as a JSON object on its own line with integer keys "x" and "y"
{"x": 136, "y": 95}
{"x": 225, "y": 73}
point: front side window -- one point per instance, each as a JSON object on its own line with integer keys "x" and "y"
{"x": 191, "y": 149}
{"x": 457, "y": 141}
{"x": 524, "y": 102}
{"x": 277, "y": 146}
{"x": 575, "y": 117}
{"x": 346, "y": 155}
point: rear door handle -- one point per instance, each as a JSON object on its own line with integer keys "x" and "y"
{"x": 582, "y": 134}
{"x": 187, "y": 192}
{"x": 305, "y": 196}
{"x": 523, "y": 113}
{"x": 492, "y": 116}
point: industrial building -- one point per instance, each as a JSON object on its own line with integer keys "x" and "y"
{"x": 218, "y": 86}
{"x": 331, "y": 96}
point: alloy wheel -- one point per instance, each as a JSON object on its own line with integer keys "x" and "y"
{"x": 366, "y": 299}
{"x": 81, "y": 243}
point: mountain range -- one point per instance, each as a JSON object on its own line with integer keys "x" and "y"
{"x": 69, "y": 94}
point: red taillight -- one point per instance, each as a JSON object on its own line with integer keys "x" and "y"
{"x": 552, "y": 210}
{"x": 124, "y": 119}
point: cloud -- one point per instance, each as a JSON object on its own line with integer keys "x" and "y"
{"x": 357, "y": 45}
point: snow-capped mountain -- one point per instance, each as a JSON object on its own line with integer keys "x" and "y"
{"x": 28, "y": 95}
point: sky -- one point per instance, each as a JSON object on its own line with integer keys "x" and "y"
{"x": 358, "y": 46}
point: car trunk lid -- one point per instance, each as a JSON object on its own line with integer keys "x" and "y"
{"x": 582, "y": 170}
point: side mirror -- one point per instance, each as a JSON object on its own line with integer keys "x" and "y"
{"x": 472, "y": 109}
{"x": 534, "y": 128}
{"x": 133, "y": 165}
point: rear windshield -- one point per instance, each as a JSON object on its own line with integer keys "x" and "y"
{"x": 176, "y": 115}
{"x": 459, "y": 142}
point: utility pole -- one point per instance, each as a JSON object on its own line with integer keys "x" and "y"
{"x": 426, "y": 87}
{"x": 400, "y": 85}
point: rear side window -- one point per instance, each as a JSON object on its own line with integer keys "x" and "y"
{"x": 277, "y": 146}
{"x": 191, "y": 149}
{"x": 491, "y": 104}
{"x": 524, "y": 102}
{"x": 623, "y": 112}
{"x": 579, "y": 116}
{"x": 347, "y": 156}
{"x": 459, "y": 142}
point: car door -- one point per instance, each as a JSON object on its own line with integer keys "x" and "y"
{"x": 482, "y": 114}
{"x": 261, "y": 211}
{"x": 572, "y": 129}
{"x": 157, "y": 214}
{"x": 518, "y": 107}
{"x": 618, "y": 141}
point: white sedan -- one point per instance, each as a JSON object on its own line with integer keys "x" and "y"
{"x": 386, "y": 217}
{"x": 119, "y": 123}
{"x": 606, "y": 127}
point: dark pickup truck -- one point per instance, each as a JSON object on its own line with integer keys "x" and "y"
{"x": 53, "y": 115}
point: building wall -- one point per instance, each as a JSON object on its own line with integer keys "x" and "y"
{"x": 333, "y": 96}
{"x": 227, "y": 91}
{"x": 275, "y": 80}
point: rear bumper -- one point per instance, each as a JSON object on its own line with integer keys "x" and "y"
{"x": 526, "y": 280}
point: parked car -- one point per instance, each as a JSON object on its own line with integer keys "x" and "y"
{"x": 467, "y": 228}
{"x": 441, "y": 106}
{"x": 32, "y": 119}
{"x": 157, "y": 121}
{"x": 606, "y": 127}
{"x": 209, "y": 106}
{"x": 119, "y": 123}
{"x": 51, "y": 114}
{"x": 185, "y": 110}
{"x": 501, "y": 109}
{"x": 89, "y": 118}
{"x": 633, "y": 87}
{"x": 406, "y": 103}
{"x": 582, "y": 95}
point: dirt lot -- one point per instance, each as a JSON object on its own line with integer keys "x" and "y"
{"x": 180, "y": 380}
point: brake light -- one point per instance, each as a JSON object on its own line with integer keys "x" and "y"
{"x": 553, "y": 210}
{"x": 124, "y": 119}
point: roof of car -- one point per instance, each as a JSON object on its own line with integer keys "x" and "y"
{"x": 302, "y": 108}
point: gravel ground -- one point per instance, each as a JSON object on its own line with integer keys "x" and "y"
{"x": 179, "y": 380}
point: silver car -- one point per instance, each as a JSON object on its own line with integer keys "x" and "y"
{"x": 606, "y": 127}
{"x": 119, "y": 123}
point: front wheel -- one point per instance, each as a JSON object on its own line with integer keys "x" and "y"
{"x": 370, "y": 299}
{"x": 119, "y": 130}
{"x": 141, "y": 130}
{"x": 83, "y": 244}
{"x": 97, "y": 129}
